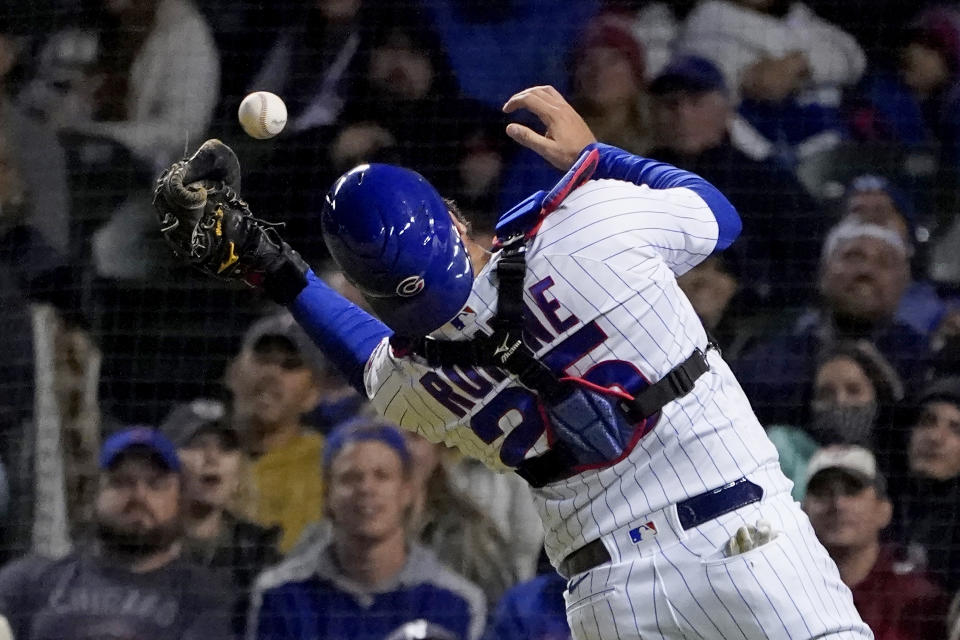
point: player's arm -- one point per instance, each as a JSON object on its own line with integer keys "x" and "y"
{"x": 344, "y": 332}
{"x": 203, "y": 218}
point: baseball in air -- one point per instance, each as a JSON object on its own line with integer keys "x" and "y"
{"x": 262, "y": 115}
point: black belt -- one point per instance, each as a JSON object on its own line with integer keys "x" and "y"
{"x": 692, "y": 512}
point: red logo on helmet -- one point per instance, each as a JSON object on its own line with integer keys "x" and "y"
{"x": 410, "y": 286}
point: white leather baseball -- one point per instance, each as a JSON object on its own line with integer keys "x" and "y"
{"x": 262, "y": 115}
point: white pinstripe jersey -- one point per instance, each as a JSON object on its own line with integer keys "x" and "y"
{"x": 602, "y": 302}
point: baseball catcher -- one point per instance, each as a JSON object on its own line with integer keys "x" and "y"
{"x": 568, "y": 356}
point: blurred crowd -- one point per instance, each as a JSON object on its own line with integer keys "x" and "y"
{"x": 178, "y": 460}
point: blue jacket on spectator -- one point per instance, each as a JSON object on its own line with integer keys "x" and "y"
{"x": 309, "y": 598}
{"x": 532, "y": 610}
{"x": 891, "y": 106}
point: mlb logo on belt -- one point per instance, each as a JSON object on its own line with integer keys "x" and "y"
{"x": 643, "y": 532}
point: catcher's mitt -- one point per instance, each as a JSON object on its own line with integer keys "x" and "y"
{"x": 210, "y": 227}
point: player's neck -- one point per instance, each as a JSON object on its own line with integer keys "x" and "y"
{"x": 371, "y": 563}
{"x": 855, "y": 564}
{"x": 479, "y": 255}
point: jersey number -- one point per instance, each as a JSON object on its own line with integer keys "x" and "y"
{"x": 515, "y": 409}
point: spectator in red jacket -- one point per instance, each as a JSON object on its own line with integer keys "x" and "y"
{"x": 848, "y": 507}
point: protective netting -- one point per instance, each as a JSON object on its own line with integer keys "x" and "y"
{"x": 833, "y": 127}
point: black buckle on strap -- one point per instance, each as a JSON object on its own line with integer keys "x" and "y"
{"x": 512, "y": 265}
{"x": 449, "y": 353}
{"x": 680, "y": 381}
{"x": 676, "y": 384}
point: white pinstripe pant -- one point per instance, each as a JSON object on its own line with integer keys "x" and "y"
{"x": 677, "y": 584}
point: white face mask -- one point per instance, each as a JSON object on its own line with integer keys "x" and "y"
{"x": 831, "y": 424}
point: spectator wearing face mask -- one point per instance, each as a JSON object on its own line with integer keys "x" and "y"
{"x": 864, "y": 272}
{"x": 851, "y": 398}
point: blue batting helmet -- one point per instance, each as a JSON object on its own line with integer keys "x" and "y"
{"x": 394, "y": 238}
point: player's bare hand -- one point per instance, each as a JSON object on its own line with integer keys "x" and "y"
{"x": 748, "y": 538}
{"x": 567, "y": 134}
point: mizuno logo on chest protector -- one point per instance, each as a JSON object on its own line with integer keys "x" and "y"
{"x": 506, "y": 349}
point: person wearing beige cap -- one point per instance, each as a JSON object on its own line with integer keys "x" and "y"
{"x": 848, "y": 507}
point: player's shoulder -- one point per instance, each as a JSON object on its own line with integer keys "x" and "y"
{"x": 610, "y": 206}
{"x": 606, "y": 188}
{"x": 613, "y": 191}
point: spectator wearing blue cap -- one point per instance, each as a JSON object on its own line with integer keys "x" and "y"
{"x": 368, "y": 579}
{"x": 131, "y": 582}
{"x": 700, "y": 132}
{"x": 876, "y": 200}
